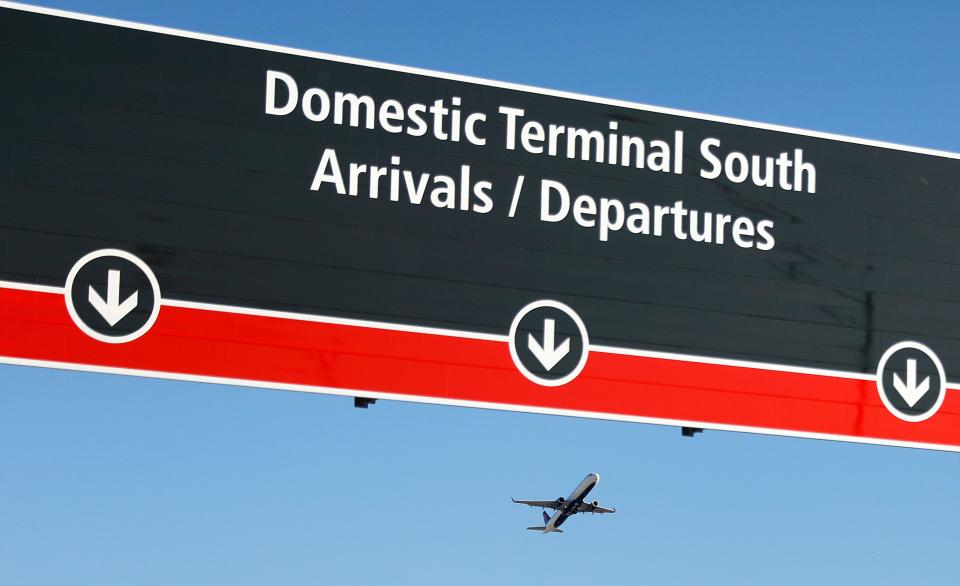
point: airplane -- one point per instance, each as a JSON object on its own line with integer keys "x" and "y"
{"x": 566, "y": 507}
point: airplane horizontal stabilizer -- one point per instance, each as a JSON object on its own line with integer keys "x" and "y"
{"x": 535, "y": 528}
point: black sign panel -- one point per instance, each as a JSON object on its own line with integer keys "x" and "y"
{"x": 288, "y": 182}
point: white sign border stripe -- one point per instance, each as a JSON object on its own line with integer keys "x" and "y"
{"x": 463, "y": 403}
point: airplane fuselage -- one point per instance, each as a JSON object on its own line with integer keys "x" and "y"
{"x": 572, "y": 503}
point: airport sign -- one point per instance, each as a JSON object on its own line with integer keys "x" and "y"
{"x": 191, "y": 207}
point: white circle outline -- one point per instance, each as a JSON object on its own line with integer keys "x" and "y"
{"x": 547, "y": 382}
{"x": 936, "y": 362}
{"x": 68, "y": 288}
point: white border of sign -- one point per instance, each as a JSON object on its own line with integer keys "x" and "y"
{"x": 468, "y": 79}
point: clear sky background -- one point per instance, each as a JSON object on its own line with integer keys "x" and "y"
{"x": 109, "y": 480}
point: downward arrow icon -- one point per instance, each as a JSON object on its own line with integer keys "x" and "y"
{"x": 549, "y": 354}
{"x": 112, "y": 310}
{"x": 911, "y": 391}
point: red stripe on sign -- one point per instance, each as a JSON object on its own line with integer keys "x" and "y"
{"x": 273, "y": 350}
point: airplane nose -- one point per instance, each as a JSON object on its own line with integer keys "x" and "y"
{"x": 595, "y": 476}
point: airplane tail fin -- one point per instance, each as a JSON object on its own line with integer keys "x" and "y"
{"x": 546, "y": 518}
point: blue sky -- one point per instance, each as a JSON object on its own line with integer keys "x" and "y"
{"x": 110, "y": 480}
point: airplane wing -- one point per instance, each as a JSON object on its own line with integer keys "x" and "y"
{"x": 539, "y": 504}
{"x": 591, "y": 508}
